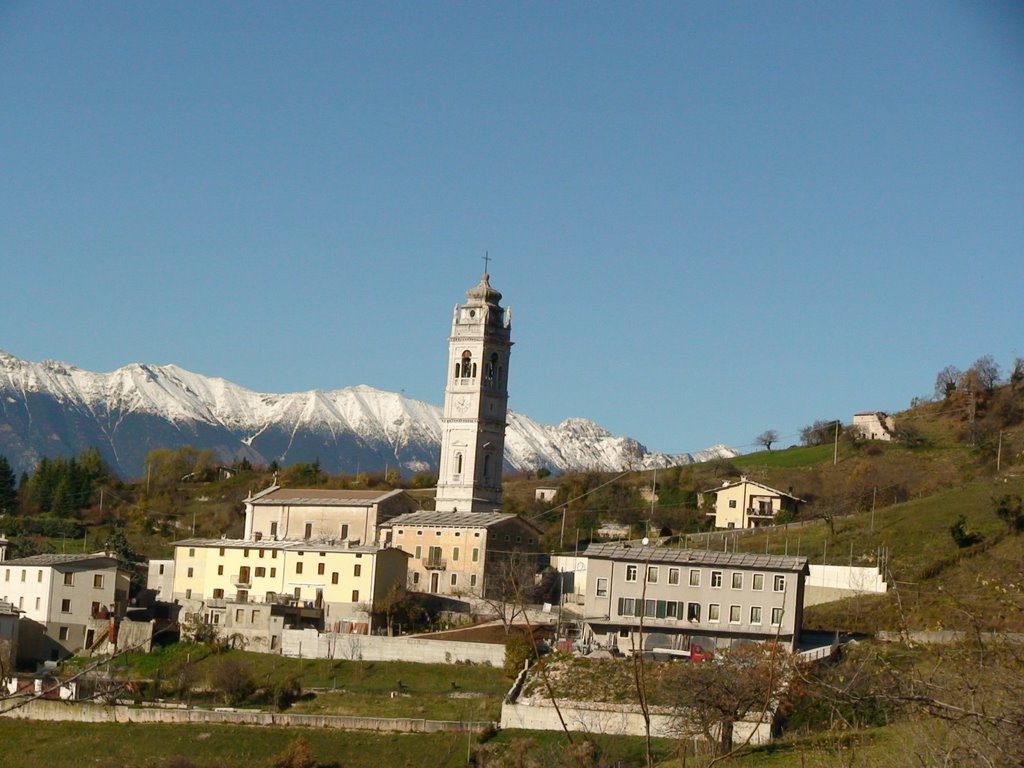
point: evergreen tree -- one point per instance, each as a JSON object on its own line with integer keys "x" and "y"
{"x": 8, "y": 491}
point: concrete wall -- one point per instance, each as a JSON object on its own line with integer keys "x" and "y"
{"x": 827, "y": 583}
{"x": 96, "y": 713}
{"x": 614, "y": 720}
{"x": 309, "y": 644}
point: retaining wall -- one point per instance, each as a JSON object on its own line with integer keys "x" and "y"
{"x": 310, "y": 644}
{"x": 98, "y": 713}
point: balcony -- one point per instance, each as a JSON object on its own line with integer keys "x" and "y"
{"x": 242, "y": 580}
{"x": 761, "y": 513}
{"x": 435, "y": 564}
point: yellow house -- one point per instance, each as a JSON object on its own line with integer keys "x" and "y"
{"x": 452, "y": 553}
{"x": 747, "y": 504}
{"x": 330, "y": 583}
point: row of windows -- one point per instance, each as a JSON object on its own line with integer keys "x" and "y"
{"x": 262, "y": 552}
{"x": 453, "y": 580}
{"x": 439, "y": 532}
{"x": 494, "y": 372}
{"x": 672, "y": 609}
{"x": 436, "y": 554}
{"x": 69, "y": 578}
{"x": 736, "y": 578}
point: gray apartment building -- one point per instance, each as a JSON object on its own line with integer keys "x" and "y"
{"x": 686, "y": 597}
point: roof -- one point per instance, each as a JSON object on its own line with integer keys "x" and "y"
{"x": 320, "y": 497}
{"x": 696, "y": 557}
{"x": 56, "y": 560}
{"x": 289, "y": 545}
{"x": 743, "y": 480}
{"x": 456, "y": 519}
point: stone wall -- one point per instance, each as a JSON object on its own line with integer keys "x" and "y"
{"x": 98, "y": 713}
{"x": 310, "y": 644}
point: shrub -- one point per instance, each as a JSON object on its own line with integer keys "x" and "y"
{"x": 518, "y": 649}
{"x": 297, "y": 754}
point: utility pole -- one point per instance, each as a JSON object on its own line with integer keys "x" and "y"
{"x": 999, "y": 452}
{"x": 835, "y": 450}
{"x": 874, "y": 493}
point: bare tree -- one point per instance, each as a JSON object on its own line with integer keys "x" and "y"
{"x": 987, "y": 370}
{"x": 767, "y": 437}
{"x": 946, "y": 381}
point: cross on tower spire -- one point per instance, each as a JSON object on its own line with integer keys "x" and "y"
{"x": 487, "y": 260}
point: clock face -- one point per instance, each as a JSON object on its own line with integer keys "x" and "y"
{"x": 462, "y": 404}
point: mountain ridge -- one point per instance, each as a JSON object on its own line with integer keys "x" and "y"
{"x": 53, "y": 408}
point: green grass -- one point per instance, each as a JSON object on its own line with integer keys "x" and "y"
{"x": 110, "y": 745}
{"x": 801, "y": 456}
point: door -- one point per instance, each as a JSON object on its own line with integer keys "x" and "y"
{"x": 434, "y": 581}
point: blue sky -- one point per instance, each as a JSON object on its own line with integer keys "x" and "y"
{"x": 710, "y": 219}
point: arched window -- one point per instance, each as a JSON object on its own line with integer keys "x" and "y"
{"x": 491, "y": 371}
{"x": 458, "y": 463}
{"x": 467, "y": 364}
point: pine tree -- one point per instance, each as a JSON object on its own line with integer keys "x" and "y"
{"x": 8, "y": 490}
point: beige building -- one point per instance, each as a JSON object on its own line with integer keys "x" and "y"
{"x": 747, "y": 504}
{"x": 873, "y": 425}
{"x": 321, "y": 583}
{"x": 690, "y": 597}
{"x": 316, "y": 514}
{"x": 66, "y": 601}
{"x": 454, "y": 553}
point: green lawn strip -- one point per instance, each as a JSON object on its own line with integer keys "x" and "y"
{"x": 106, "y": 745}
{"x": 801, "y": 456}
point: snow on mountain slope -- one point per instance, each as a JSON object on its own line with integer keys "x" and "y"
{"x": 51, "y": 408}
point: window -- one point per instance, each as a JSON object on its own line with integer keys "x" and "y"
{"x": 776, "y": 616}
{"x": 458, "y": 533}
{"x": 455, "y": 579}
{"x": 334, "y": 578}
{"x": 419, "y": 551}
{"x": 780, "y": 584}
{"x": 357, "y": 570}
{"x": 191, "y": 552}
{"x": 7, "y": 575}
{"x": 624, "y": 633}
{"x": 630, "y": 573}
{"x": 672, "y": 610}
{"x": 189, "y": 573}
{"x": 419, "y": 533}
{"x": 716, "y": 579}
{"x": 734, "y": 614}
{"x": 273, "y": 572}
{"x": 458, "y": 463}
{"x": 355, "y": 595}
{"x": 245, "y": 552}
{"x": 218, "y": 594}
{"x": 262, "y": 552}
{"x": 273, "y": 530}
{"x": 693, "y": 611}
{"x": 69, "y": 578}
{"x": 652, "y": 574}
{"x": 649, "y": 607}
{"x": 694, "y": 578}
{"x": 626, "y": 606}
{"x": 476, "y": 555}
{"x": 732, "y": 503}
{"x": 63, "y": 633}
{"x": 220, "y": 570}
{"x": 415, "y": 577}
{"x": 188, "y": 594}
{"x": 308, "y": 534}
{"x": 477, "y": 534}
{"x": 755, "y": 614}
{"x": 758, "y": 581}
{"x": 161, "y": 570}
{"x": 39, "y": 575}
{"x": 455, "y": 554}
{"x": 737, "y": 581}
{"x": 65, "y": 605}
{"x": 344, "y": 530}
{"x": 298, "y": 593}
{"x": 321, "y": 569}
{"x": 437, "y": 533}
{"x": 713, "y": 612}
{"x": 222, "y": 551}
{"x": 298, "y": 567}
{"x": 602, "y": 587}
{"x": 97, "y": 581}
{"x": 261, "y": 572}
{"x": 239, "y": 615}
{"x": 273, "y": 555}
{"x": 66, "y": 576}
{"x": 255, "y": 617}
{"x": 673, "y": 575}
{"x": 472, "y": 580}
{"x": 37, "y": 603}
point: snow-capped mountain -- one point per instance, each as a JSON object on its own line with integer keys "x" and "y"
{"x": 51, "y": 408}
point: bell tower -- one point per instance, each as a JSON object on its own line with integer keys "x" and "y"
{"x": 475, "y": 403}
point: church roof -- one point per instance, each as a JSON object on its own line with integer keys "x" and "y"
{"x": 321, "y": 497}
{"x": 484, "y": 292}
